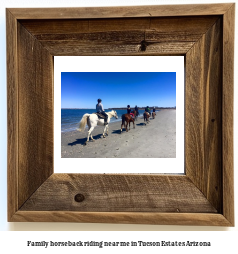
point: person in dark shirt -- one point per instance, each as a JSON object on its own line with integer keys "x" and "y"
{"x": 129, "y": 111}
{"x": 137, "y": 110}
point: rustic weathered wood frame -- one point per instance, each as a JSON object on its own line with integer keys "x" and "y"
{"x": 204, "y": 34}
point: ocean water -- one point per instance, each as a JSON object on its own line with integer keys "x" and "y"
{"x": 70, "y": 118}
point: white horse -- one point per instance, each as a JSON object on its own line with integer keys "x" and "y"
{"x": 92, "y": 121}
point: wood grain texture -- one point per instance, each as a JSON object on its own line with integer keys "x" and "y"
{"x": 227, "y": 113}
{"x": 174, "y": 36}
{"x": 35, "y": 111}
{"x": 12, "y": 114}
{"x": 121, "y": 12}
{"x": 203, "y": 119}
{"x": 119, "y": 193}
{"x": 115, "y": 49}
{"x": 192, "y": 219}
{"x": 49, "y": 29}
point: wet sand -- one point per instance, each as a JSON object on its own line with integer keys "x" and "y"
{"x": 154, "y": 140}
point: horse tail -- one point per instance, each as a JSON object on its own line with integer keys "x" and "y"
{"x": 83, "y": 122}
{"x": 123, "y": 119}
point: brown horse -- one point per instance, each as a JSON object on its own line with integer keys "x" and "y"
{"x": 126, "y": 118}
{"x": 153, "y": 115}
{"x": 136, "y": 113}
{"x": 146, "y": 117}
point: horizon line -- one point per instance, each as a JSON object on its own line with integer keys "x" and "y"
{"x": 126, "y": 107}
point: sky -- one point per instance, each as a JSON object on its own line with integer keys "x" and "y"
{"x": 118, "y": 89}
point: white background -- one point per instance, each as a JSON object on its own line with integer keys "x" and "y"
{"x": 120, "y": 64}
{"x": 16, "y": 241}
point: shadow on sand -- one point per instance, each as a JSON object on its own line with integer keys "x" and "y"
{"x": 140, "y": 124}
{"x": 83, "y": 140}
{"x": 116, "y": 131}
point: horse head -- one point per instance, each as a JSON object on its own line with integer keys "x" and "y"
{"x": 114, "y": 113}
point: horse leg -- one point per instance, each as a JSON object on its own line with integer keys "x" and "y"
{"x": 90, "y": 133}
{"x": 87, "y": 138}
{"x": 92, "y": 137}
{"x": 104, "y": 131}
{"x": 126, "y": 126}
{"x": 129, "y": 125}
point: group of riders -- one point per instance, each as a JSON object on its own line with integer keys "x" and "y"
{"x": 147, "y": 109}
{"x": 100, "y": 109}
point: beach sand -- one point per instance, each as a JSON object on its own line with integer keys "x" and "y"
{"x": 154, "y": 140}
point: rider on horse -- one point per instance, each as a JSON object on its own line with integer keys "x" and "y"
{"x": 129, "y": 111}
{"x": 99, "y": 109}
{"x": 136, "y": 109}
{"x": 147, "y": 109}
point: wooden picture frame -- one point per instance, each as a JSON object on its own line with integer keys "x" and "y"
{"x": 204, "y": 34}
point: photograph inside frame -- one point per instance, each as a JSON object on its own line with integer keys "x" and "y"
{"x": 114, "y": 108}
{"x": 124, "y": 115}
